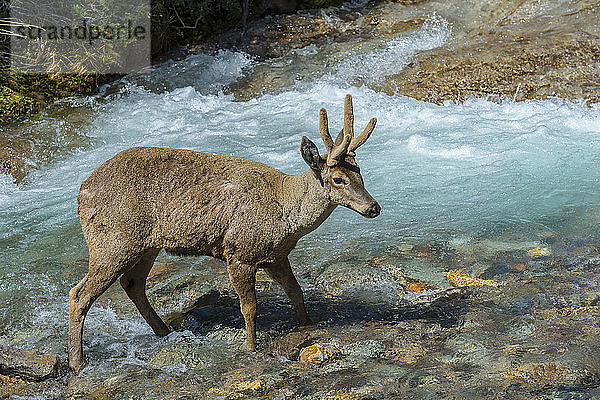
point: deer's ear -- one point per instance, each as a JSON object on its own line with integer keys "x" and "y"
{"x": 310, "y": 154}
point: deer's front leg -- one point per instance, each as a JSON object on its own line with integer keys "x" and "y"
{"x": 282, "y": 273}
{"x": 243, "y": 278}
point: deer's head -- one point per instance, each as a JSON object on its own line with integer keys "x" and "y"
{"x": 337, "y": 170}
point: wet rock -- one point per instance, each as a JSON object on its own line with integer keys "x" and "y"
{"x": 584, "y": 251}
{"x": 340, "y": 277}
{"x": 431, "y": 250}
{"x": 13, "y": 156}
{"x": 16, "y": 388}
{"x": 343, "y": 396}
{"x": 460, "y": 279}
{"x": 11, "y": 386}
{"x": 158, "y": 272}
{"x": 191, "y": 352}
{"x": 306, "y": 46}
{"x": 35, "y": 144}
{"x": 416, "y": 287}
{"x": 239, "y": 390}
{"x": 177, "y": 319}
{"x": 405, "y": 248}
{"x": 27, "y": 364}
{"x": 183, "y": 291}
{"x": 573, "y": 311}
{"x": 539, "y": 252}
{"x": 319, "y": 352}
{"x": 233, "y": 335}
{"x": 191, "y": 356}
{"x": 276, "y": 35}
{"x": 518, "y": 267}
{"x": 547, "y": 374}
{"x": 364, "y": 348}
{"x": 290, "y": 345}
{"x": 407, "y": 354}
{"x": 494, "y": 249}
{"x": 176, "y": 288}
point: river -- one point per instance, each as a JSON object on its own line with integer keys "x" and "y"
{"x": 480, "y": 185}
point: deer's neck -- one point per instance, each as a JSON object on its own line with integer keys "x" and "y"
{"x": 305, "y": 203}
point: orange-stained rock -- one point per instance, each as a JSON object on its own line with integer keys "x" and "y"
{"x": 544, "y": 374}
{"x": 519, "y": 267}
{"x": 318, "y": 352}
{"x": 539, "y": 252}
{"x": 342, "y": 396}
{"x": 459, "y": 279}
{"x": 416, "y": 287}
{"x": 238, "y": 390}
{"x": 11, "y": 381}
{"x": 27, "y": 364}
{"x": 158, "y": 271}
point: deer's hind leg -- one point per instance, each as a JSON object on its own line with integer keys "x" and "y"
{"x": 243, "y": 278}
{"x": 282, "y": 273}
{"x": 105, "y": 266}
{"x": 134, "y": 283}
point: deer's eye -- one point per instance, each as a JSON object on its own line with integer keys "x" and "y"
{"x": 339, "y": 181}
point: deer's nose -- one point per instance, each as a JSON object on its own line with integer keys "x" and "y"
{"x": 374, "y": 210}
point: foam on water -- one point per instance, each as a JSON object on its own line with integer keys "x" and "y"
{"x": 373, "y": 66}
{"x": 461, "y": 169}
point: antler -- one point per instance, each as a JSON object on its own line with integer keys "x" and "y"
{"x": 362, "y": 138}
{"x": 340, "y": 149}
{"x": 324, "y": 129}
{"x": 345, "y": 143}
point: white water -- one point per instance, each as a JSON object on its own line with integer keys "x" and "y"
{"x": 469, "y": 170}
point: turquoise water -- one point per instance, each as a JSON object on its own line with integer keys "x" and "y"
{"x": 450, "y": 172}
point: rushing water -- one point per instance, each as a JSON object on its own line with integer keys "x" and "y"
{"x": 447, "y": 173}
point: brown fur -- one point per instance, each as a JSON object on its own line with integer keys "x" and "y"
{"x": 243, "y": 212}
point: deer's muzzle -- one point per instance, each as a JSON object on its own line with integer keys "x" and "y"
{"x": 373, "y": 211}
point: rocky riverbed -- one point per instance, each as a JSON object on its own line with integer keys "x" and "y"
{"x": 522, "y": 322}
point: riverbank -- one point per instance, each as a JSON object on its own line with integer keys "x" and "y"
{"x": 498, "y": 49}
{"x": 175, "y": 23}
{"x": 511, "y": 50}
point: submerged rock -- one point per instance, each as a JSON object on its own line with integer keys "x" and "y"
{"x": 27, "y": 364}
{"x": 539, "y": 252}
{"x": 460, "y": 279}
{"x": 191, "y": 356}
{"x": 239, "y": 390}
{"x": 290, "y": 345}
{"x": 547, "y": 374}
{"x": 364, "y": 348}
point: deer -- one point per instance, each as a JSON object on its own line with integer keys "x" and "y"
{"x": 243, "y": 212}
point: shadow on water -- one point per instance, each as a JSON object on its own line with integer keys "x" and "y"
{"x": 218, "y": 310}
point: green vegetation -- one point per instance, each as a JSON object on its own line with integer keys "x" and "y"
{"x": 173, "y": 22}
{"x": 24, "y": 94}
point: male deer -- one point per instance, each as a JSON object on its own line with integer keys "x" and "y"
{"x": 242, "y": 212}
